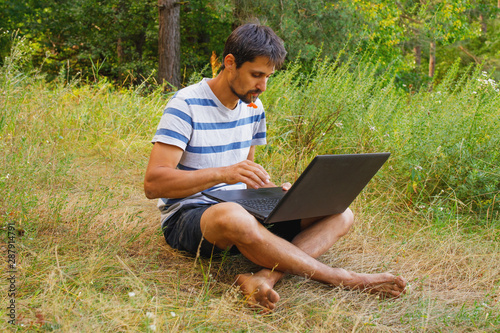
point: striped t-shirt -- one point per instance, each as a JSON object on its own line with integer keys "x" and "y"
{"x": 210, "y": 134}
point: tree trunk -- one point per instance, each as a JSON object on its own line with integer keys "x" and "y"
{"x": 418, "y": 55}
{"x": 432, "y": 59}
{"x": 169, "y": 44}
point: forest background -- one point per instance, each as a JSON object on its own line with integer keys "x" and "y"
{"x": 119, "y": 38}
{"x": 81, "y": 95}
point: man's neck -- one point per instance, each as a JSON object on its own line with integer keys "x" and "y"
{"x": 221, "y": 90}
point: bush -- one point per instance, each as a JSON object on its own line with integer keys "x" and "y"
{"x": 444, "y": 140}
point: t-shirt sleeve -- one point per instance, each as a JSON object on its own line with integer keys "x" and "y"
{"x": 176, "y": 124}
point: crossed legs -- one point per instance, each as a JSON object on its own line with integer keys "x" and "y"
{"x": 228, "y": 224}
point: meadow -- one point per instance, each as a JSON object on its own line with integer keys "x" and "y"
{"x": 90, "y": 256}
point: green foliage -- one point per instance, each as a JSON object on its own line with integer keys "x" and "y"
{"x": 71, "y": 35}
{"x": 483, "y": 49}
{"x": 120, "y": 37}
{"x": 205, "y": 25}
{"x": 74, "y": 38}
{"x": 444, "y": 141}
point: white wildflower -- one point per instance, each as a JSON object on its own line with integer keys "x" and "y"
{"x": 152, "y": 327}
{"x": 150, "y": 315}
{"x": 131, "y": 294}
{"x": 372, "y": 128}
{"x": 172, "y": 313}
{"x": 418, "y": 168}
{"x": 486, "y": 305}
{"x": 339, "y": 125}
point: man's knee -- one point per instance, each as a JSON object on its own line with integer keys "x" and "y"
{"x": 342, "y": 223}
{"x": 347, "y": 218}
{"x": 229, "y": 222}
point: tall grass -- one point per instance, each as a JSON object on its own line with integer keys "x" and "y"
{"x": 444, "y": 139}
{"x": 91, "y": 256}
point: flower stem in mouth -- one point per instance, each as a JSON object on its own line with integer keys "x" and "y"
{"x": 253, "y": 98}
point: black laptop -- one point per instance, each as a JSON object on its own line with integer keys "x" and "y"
{"x": 328, "y": 185}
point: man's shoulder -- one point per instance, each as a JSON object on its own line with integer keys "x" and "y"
{"x": 192, "y": 91}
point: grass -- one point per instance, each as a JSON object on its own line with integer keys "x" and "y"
{"x": 91, "y": 256}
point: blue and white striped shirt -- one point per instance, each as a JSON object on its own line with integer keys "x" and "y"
{"x": 210, "y": 134}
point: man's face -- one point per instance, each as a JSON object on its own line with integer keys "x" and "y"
{"x": 250, "y": 79}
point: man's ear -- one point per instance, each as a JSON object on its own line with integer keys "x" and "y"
{"x": 230, "y": 62}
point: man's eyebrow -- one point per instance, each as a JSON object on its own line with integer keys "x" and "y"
{"x": 260, "y": 72}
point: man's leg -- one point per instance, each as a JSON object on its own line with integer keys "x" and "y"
{"x": 317, "y": 236}
{"x": 228, "y": 224}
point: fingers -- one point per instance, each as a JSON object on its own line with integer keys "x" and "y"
{"x": 255, "y": 175}
{"x": 248, "y": 172}
{"x": 286, "y": 186}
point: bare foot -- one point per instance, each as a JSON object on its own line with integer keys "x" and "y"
{"x": 383, "y": 284}
{"x": 258, "y": 291}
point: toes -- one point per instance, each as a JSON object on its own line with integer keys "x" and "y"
{"x": 394, "y": 293}
{"x": 273, "y": 296}
{"x": 400, "y": 282}
{"x": 269, "y": 306}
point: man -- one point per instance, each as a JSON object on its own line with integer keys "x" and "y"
{"x": 206, "y": 140}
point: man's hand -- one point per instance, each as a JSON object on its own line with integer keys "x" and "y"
{"x": 286, "y": 186}
{"x": 248, "y": 172}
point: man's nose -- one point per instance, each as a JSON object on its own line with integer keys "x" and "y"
{"x": 261, "y": 85}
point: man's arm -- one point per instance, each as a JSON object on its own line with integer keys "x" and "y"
{"x": 163, "y": 180}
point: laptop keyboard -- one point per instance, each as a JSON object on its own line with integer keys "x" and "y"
{"x": 260, "y": 204}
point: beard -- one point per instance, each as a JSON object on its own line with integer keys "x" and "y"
{"x": 247, "y": 97}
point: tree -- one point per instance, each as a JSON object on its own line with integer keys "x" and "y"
{"x": 169, "y": 44}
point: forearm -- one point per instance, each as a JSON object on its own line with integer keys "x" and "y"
{"x": 166, "y": 182}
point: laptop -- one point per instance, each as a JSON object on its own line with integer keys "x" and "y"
{"x": 328, "y": 185}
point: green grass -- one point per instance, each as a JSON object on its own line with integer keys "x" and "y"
{"x": 91, "y": 256}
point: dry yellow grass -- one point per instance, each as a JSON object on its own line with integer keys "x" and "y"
{"x": 108, "y": 269}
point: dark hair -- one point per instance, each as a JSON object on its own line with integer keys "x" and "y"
{"x": 252, "y": 40}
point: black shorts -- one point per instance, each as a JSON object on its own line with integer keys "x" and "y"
{"x": 182, "y": 231}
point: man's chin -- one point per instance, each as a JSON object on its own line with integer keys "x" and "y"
{"x": 249, "y": 98}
